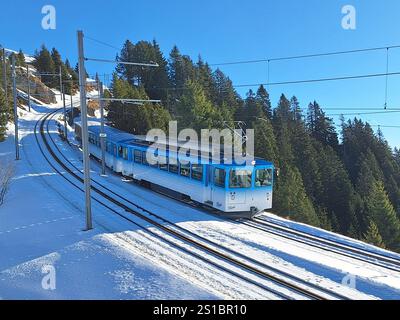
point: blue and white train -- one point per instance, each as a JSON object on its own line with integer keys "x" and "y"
{"x": 235, "y": 190}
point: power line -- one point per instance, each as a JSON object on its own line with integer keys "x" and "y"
{"x": 358, "y": 109}
{"x": 102, "y": 43}
{"x": 362, "y": 113}
{"x": 384, "y": 126}
{"x": 305, "y": 56}
{"x": 373, "y": 75}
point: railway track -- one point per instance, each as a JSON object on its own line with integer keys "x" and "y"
{"x": 325, "y": 244}
{"x": 250, "y": 266}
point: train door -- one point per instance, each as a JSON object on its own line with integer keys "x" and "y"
{"x": 209, "y": 184}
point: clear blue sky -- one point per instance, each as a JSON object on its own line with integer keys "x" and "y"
{"x": 223, "y": 31}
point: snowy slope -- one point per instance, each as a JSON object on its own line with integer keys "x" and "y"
{"x": 41, "y": 224}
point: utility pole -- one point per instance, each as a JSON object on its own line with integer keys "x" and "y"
{"x": 65, "y": 116}
{"x": 5, "y": 81}
{"x": 102, "y": 135}
{"x": 15, "y": 109}
{"x": 85, "y": 142}
{"x": 61, "y": 85}
{"x": 29, "y": 87}
{"x": 72, "y": 106}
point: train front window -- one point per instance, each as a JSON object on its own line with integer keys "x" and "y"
{"x": 240, "y": 178}
{"x": 263, "y": 178}
{"x": 219, "y": 177}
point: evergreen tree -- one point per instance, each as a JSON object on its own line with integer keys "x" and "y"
{"x": 154, "y": 80}
{"x": 20, "y": 59}
{"x": 44, "y": 64}
{"x": 262, "y": 97}
{"x": 195, "y": 110}
{"x": 264, "y": 140}
{"x": 372, "y": 236}
{"x": 291, "y": 199}
{"x": 224, "y": 94}
{"x": 320, "y": 126}
{"x": 382, "y": 213}
{"x": 295, "y": 108}
{"x": 137, "y": 119}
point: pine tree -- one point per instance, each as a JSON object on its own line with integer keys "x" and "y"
{"x": 225, "y": 94}
{"x": 291, "y": 199}
{"x": 44, "y": 64}
{"x": 195, "y": 110}
{"x": 372, "y": 236}
{"x": 137, "y": 119}
{"x": 295, "y": 108}
{"x": 262, "y": 97}
{"x": 264, "y": 140}
{"x": 382, "y": 213}
{"x": 320, "y": 126}
{"x": 20, "y": 59}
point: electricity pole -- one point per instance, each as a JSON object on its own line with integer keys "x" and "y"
{"x": 29, "y": 88}
{"x": 61, "y": 85}
{"x": 72, "y": 106}
{"x": 102, "y": 133}
{"x": 85, "y": 142}
{"x": 15, "y": 109}
{"x": 65, "y": 116}
{"x": 5, "y": 81}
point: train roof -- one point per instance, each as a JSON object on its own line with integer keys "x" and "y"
{"x": 126, "y": 138}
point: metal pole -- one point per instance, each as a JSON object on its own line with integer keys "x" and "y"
{"x": 85, "y": 142}
{"x": 29, "y": 88}
{"x": 65, "y": 116}
{"x": 102, "y": 133}
{"x": 72, "y": 106}
{"x": 5, "y": 82}
{"x": 15, "y": 109}
{"x": 60, "y": 75}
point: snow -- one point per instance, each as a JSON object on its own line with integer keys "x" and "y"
{"x": 42, "y": 219}
{"x": 28, "y": 58}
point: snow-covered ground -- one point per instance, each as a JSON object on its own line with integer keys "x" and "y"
{"x": 42, "y": 219}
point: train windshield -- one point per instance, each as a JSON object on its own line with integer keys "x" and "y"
{"x": 240, "y": 179}
{"x": 263, "y": 178}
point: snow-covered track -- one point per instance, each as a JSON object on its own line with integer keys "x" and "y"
{"x": 261, "y": 223}
{"x": 249, "y": 267}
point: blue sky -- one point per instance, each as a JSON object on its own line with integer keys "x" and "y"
{"x": 224, "y": 31}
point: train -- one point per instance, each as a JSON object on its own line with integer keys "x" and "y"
{"x": 232, "y": 190}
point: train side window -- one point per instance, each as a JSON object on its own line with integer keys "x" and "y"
{"x": 144, "y": 159}
{"x": 219, "y": 177}
{"x": 197, "y": 172}
{"x": 125, "y": 153}
{"x": 163, "y": 163}
{"x": 240, "y": 178}
{"x": 263, "y": 178}
{"x": 185, "y": 170}
{"x": 173, "y": 168}
{"x": 137, "y": 156}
